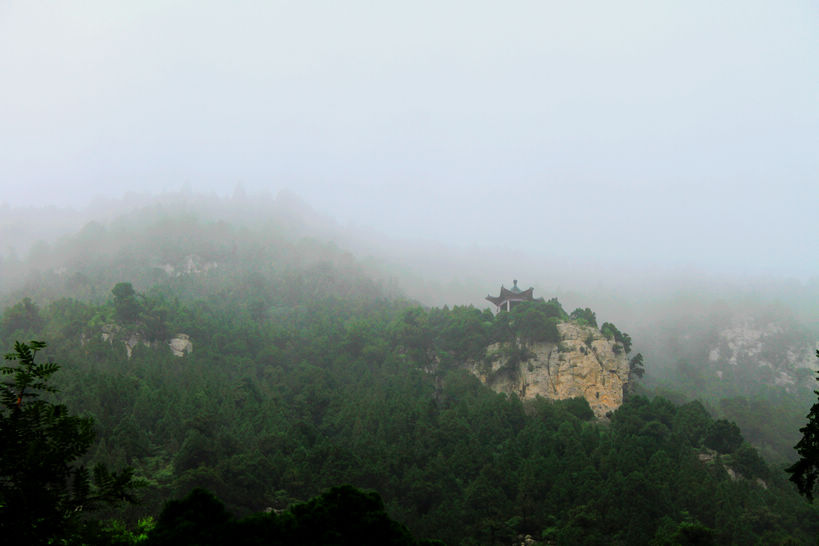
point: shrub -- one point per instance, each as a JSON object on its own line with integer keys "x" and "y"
{"x": 584, "y": 314}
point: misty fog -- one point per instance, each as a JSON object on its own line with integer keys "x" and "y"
{"x": 591, "y": 137}
{"x": 309, "y": 203}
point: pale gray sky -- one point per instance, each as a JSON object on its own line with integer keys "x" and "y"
{"x": 641, "y": 133}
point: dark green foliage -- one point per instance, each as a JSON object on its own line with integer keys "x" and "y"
{"x": 579, "y": 407}
{"x": 692, "y": 534}
{"x": 723, "y": 436}
{"x": 341, "y": 516}
{"x": 611, "y": 332}
{"x": 29, "y": 378}
{"x": 770, "y": 425}
{"x": 305, "y": 375}
{"x": 125, "y": 304}
{"x": 321, "y": 399}
{"x": 692, "y": 422}
{"x": 199, "y": 518}
{"x": 43, "y": 492}
{"x": 584, "y": 316}
{"x": 23, "y": 319}
{"x": 747, "y": 462}
{"x": 533, "y": 322}
{"x": 635, "y": 365}
{"x": 555, "y": 309}
{"x": 460, "y": 334}
{"x": 805, "y": 472}
{"x": 500, "y": 330}
{"x": 413, "y": 334}
{"x": 337, "y": 391}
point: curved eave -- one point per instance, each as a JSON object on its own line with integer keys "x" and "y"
{"x": 497, "y": 300}
{"x": 523, "y": 295}
{"x": 508, "y": 295}
{"x": 527, "y": 294}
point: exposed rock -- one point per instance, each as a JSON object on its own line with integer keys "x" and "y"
{"x": 711, "y": 457}
{"x": 526, "y": 540}
{"x": 744, "y": 340}
{"x": 768, "y": 350}
{"x": 784, "y": 379}
{"x": 180, "y": 344}
{"x": 584, "y": 363}
{"x": 109, "y": 331}
{"x": 132, "y": 342}
{"x": 113, "y": 332}
{"x": 190, "y": 265}
{"x": 707, "y": 457}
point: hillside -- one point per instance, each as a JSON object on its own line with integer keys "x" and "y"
{"x": 303, "y": 373}
{"x": 749, "y": 362}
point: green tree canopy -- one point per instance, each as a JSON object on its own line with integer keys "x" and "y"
{"x": 340, "y": 516}
{"x": 805, "y": 472}
{"x": 24, "y": 317}
{"x": 43, "y": 492}
{"x": 125, "y": 303}
{"x": 532, "y": 322}
{"x": 723, "y": 436}
{"x": 584, "y": 315}
{"x": 611, "y": 332}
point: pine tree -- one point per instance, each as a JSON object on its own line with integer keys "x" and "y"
{"x": 43, "y": 492}
{"x": 805, "y": 471}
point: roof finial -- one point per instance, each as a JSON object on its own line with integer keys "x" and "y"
{"x": 516, "y": 282}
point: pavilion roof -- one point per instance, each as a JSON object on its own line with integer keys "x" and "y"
{"x": 513, "y": 294}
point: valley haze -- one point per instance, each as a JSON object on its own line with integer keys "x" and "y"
{"x": 256, "y": 240}
{"x": 635, "y": 141}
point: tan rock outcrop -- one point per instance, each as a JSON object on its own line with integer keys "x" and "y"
{"x": 112, "y": 332}
{"x": 132, "y": 341}
{"x": 109, "y": 331}
{"x": 180, "y": 345}
{"x": 584, "y": 363}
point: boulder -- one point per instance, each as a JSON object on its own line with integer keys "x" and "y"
{"x": 180, "y": 345}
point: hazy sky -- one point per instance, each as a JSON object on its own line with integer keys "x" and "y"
{"x": 670, "y": 133}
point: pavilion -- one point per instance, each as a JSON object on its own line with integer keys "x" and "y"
{"x": 510, "y": 297}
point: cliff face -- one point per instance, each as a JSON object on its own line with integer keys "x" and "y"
{"x": 766, "y": 351}
{"x": 584, "y": 363}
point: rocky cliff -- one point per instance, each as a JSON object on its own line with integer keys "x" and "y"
{"x": 770, "y": 351}
{"x": 179, "y": 345}
{"x": 584, "y": 363}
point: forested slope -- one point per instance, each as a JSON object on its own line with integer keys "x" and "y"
{"x": 748, "y": 361}
{"x": 305, "y": 374}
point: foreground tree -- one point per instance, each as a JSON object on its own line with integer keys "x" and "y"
{"x": 43, "y": 493}
{"x": 341, "y": 516}
{"x": 805, "y": 472}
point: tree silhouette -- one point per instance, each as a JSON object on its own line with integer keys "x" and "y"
{"x": 805, "y": 471}
{"x": 42, "y": 493}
